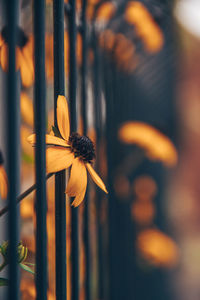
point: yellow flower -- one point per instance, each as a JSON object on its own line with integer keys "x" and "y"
{"x": 157, "y": 145}
{"x": 3, "y": 179}
{"x": 24, "y": 55}
{"x": 70, "y": 150}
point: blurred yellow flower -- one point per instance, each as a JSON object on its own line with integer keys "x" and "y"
{"x": 66, "y": 1}
{"x": 157, "y": 248}
{"x": 157, "y": 145}
{"x": 3, "y": 179}
{"x": 122, "y": 186}
{"x": 124, "y": 53}
{"x": 26, "y": 107}
{"x": 144, "y": 187}
{"x": 107, "y": 39}
{"x": 68, "y": 150}
{"x": 24, "y": 55}
{"x": 49, "y": 56}
{"x": 91, "y": 5}
{"x": 93, "y": 2}
{"x": 146, "y": 28}
{"x": 27, "y": 209}
{"x": 105, "y": 11}
{"x": 49, "y": 60}
{"x": 120, "y": 49}
{"x": 143, "y": 212}
{"x": 27, "y": 289}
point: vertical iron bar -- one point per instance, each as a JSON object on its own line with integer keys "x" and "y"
{"x": 13, "y": 135}
{"x": 73, "y": 113}
{"x": 60, "y": 201}
{"x": 72, "y": 64}
{"x": 98, "y": 128}
{"x": 40, "y": 151}
{"x": 84, "y": 67}
{"x": 86, "y": 220}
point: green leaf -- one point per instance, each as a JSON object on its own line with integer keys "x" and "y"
{"x": 4, "y": 282}
{"x": 26, "y": 268}
{"x": 29, "y": 264}
{"x": 56, "y": 131}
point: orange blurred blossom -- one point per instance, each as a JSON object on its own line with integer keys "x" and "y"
{"x": 105, "y": 12}
{"x": 157, "y": 248}
{"x": 144, "y": 187}
{"x": 3, "y": 179}
{"x": 136, "y": 14}
{"x": 26, "y": 107}
{"x": 157, "y": 145}
{"x": 143, "y": 212}
{"x": 24, "y": 55}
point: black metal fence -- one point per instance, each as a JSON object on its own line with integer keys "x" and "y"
{"x": 140, "y": 93}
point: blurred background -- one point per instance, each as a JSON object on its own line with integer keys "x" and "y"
{"x": 143, "y": 108}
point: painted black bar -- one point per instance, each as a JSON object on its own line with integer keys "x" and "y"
{"x": 60, "y": 201}
{"x": 12, "y": 146}
{"x": 86, "y": 220}
{"x": 98, "y": 129}
{"x": 84, "y": 67}
{"x": 40, "y": 150}
{"x": 73, "y": 113}
{"x": 72, "y": 64}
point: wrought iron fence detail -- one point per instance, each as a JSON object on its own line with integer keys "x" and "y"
{"x": 100, "y": 59}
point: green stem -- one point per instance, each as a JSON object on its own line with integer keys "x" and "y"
{"x": 23, "y": 195}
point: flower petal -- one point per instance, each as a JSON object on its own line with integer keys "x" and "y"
{"x": 4, "y": 57}
{"x": 79, "y": 198}
{"x": 27, "y": 110}
{"x": 58, "y": 159}
{"x": 1, "y": 40}
{"x": 27, "y": 52}
{"x": 19, "y": 58}
{"x": 96, "y": 178}
{"x": 63, "y": 117}
{"x": 26, "y": 69}
{"x": 78, "y": 178}
{"x": 3, "y": 183}
{"x": 50, "y": 140}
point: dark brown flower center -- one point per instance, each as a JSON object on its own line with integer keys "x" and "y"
{"x": 1, "y": 159}
{"x": 22, "y": 39}
{"x": 82, "y": 147}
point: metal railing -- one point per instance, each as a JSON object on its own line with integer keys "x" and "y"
{"x": 117, "y": 271}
